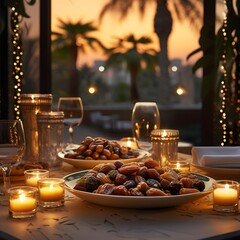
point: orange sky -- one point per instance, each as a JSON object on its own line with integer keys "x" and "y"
{"x": 182, "y": 41}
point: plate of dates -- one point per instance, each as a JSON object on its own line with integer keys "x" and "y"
{"x": 137, "y": 185}
{"x": 93, "y": 151}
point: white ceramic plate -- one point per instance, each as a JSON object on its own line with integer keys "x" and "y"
{"x": 135, "y": 201}
{"x": 88, "y": 164}
{"x": 218, "y": 171}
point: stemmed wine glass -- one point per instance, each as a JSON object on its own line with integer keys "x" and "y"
{"x": 12, "y": 147}
{"x": 145, "y": 118}
{"x": 73, "y": 113}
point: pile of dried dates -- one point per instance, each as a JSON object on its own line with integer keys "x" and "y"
{"x": 144, "y": 178}
{"x": 101, "y": 149}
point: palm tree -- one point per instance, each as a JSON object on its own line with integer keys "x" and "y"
{"x": 128, "y": 51}
{"x": 163, "y": 22}
{"x": 73, "y": 39}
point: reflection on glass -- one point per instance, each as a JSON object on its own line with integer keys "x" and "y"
{"x": 12, "y": 147}
{"x": 73, "y": 113}
{"x": 145, "y": 118}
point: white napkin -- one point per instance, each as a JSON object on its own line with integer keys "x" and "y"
{"x": 225, "y": 157}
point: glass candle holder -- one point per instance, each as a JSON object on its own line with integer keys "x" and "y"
{"x": 180, "y": 166}
{"x": 50, "y": 126}
{"x": 51, "y": 192}
{"x": 128, "y": 142}
{"x": 164, "y": 145}
{"x": 30, "y": 105}
{"x": 22, "y": 201}
{"x": 33, "y": 175}
{"x": 226, "y": 196}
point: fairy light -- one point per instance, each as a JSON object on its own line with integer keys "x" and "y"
{"x": 223, "y": 89}
{"x": 17, "y": 61}
{"x": 236, "y": 46}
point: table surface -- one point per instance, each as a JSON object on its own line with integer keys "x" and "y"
{"x": 78, "y": 219}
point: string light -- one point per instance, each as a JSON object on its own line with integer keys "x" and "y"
{"x": 230, "y": 83}
{"x": 17, "y": 61}
{"x": 223, "y": 89}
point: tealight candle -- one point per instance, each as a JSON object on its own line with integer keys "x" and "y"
{"x": 33, "y": 175}
{"x": 51, "y": 192}
{"x": 22, "y": 201}
{"x": 180, "y": 166}
{"x": 225, "y": 196}
{"x": 128, "y": 142}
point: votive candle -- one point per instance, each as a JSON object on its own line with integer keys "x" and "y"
{"x": 128, "y": 142}
{"x": 33, "y": 175}
{"x": 180, "y": 166}
{"x": 22, "y": 201}
{"x": 225, "y": 195}
{"x": 51, "y": 192}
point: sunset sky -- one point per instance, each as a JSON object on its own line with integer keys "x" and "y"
{"x": 183, "y": 39}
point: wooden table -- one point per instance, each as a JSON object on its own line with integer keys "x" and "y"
{"x": 82, "y": 220}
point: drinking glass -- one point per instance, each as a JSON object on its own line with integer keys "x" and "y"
{"x": 72, "y": 108}
{"x": 12, "y": 147}
{"x": 145, "y": 118}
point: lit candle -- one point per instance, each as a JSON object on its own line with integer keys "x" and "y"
{"x": 32, "y": 181}
{"x": 51, "y": 192}
{"x": 23, "y": 203}
{"x": 181, "y": 166}
{"x": 128, "y": 142}
{"x": 32, "y": 97}
{"x": 225, "y": 196}
{"x": 33, "y": 175}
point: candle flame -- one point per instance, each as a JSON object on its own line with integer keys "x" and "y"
{"x": 226, "y": 186}
{"x": 164, "y": 134}
{"x": 129, "y": 143}
{"x": 178, "y": 165}
{"x": 22, "y": 197}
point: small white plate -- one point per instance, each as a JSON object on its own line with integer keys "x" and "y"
{"x": 136, "y": 201}
{"x": 88, "y": 164}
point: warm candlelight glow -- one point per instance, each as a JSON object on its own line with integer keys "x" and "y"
{"x": 32, "y": 181}
{"x": 22, "y": 201}
{"x": 178, "y": 165}
{"x": 164, "y": 133}
{"x": 128, "y": 142}
{"x": 181, "y": 166}
{"x": 51, "y": 192}
{"x": 32, "y": 176}
{"x": 225, "y": 196}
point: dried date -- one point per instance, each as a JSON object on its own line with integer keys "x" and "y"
{"x": 101, "y": 149}
{"x": 120, "y": 178}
